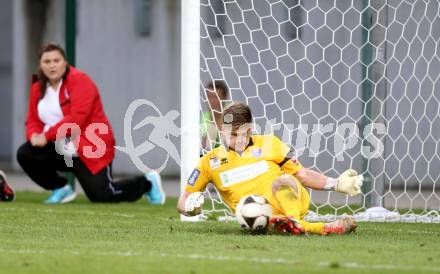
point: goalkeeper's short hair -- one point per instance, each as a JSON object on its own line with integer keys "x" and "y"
{"x": 237, "y": 114}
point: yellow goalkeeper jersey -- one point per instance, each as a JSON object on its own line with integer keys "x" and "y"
{"x": 235, "y": 176}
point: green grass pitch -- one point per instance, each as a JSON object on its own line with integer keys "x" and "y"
{"x": 82, "y": 237}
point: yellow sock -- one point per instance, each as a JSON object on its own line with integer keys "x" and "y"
{"x": 315, "y": 228}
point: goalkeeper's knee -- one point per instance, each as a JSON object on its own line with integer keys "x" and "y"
{"x": 285, "y": 182}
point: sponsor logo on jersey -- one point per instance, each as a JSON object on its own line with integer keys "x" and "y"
{"x": 214, "y": 162}
{"x": 193, "y": 177}
{"x": 243, "y": 173}
{"x": 256, "y": 152}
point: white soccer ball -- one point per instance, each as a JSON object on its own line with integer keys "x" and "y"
{"x": 253, "y": 213}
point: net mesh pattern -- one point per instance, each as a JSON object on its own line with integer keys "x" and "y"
{"x": 318, "y": 74}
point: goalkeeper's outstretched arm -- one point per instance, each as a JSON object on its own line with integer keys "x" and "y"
{"x": 349, "y": 182}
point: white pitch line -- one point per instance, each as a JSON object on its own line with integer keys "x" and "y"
{"x": 322, "y": 264}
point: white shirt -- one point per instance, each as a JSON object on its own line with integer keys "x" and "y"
{"x": 49, "y": 109}
{"x": 50, "y": 113}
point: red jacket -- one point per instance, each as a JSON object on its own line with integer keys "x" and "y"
{"x": 81, "y": 104}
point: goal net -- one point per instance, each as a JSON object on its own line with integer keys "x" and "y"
{"x": 348, "y": 84}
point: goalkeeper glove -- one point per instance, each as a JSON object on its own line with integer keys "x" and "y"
{"x": 349, "y": 183}
{"x": 194, "y": 203}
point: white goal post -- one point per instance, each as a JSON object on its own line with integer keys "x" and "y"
{"x": 190, "y": 99}
{"x": 348, "y": 84}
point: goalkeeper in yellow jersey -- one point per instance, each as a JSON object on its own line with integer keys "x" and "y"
{"x": 259, "y": 164}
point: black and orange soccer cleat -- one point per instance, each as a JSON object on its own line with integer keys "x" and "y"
{"x": 341, "y": 226}
{"x": 6, "y": 192}
{"x": 285, "y": 225}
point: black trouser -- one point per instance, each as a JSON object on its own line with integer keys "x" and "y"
{"x": 42, "y": 166}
